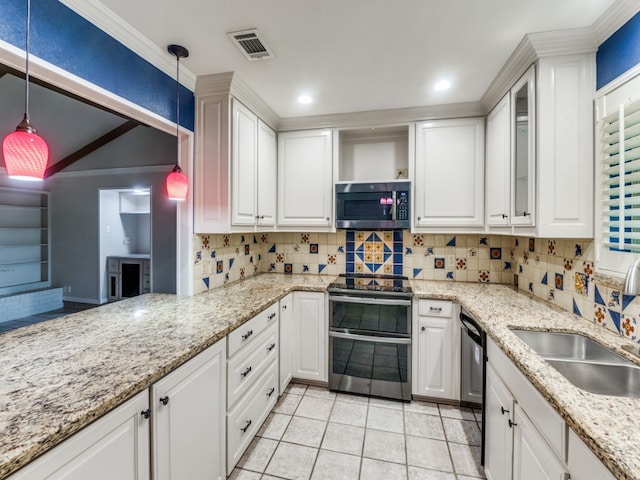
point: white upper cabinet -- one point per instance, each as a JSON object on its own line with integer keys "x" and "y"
{"x": 499, "y": 163}
{"x": 511, "y": 156}
{"x": 235, "y": 167}
{"x": 449, "y": 175}
{"x": 305, "y": 179}
{"x": 566, "y": 85}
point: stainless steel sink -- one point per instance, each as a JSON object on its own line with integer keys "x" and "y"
{"x": 604, "y": 379}
{"x": 568, "y": 346}
{"x": 585, "y": 363}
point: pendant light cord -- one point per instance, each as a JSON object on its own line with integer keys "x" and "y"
{"x": 178, "y": 110}
{"x": 26, "y": 83}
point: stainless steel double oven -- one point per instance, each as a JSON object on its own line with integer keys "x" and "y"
{"x": 370, "y": 337}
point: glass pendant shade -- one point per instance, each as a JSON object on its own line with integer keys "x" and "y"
{"x": 177, "y": 184}
{"x": 25, "y": 155}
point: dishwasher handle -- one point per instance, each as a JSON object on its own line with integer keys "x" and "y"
{"x": 471, "y": 328}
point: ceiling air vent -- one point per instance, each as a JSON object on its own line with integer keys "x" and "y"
{"x": 251, "y": 44}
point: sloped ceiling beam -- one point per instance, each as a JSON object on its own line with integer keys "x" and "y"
{"x": 90, "y": 147}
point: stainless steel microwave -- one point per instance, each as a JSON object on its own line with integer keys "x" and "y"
{"x": 384, "y": 205}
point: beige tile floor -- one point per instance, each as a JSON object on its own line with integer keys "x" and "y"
{"x": 316, "y": 434}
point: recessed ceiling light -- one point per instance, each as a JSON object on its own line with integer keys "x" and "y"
{"x": 305, "y": 99}
{"x": 442, "y": 85}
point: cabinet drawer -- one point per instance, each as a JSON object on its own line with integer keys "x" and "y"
{"x": 245, "y": 419}
{"x": 244, "y": 334}
{"x": 249, "y": 363}
{"x": 548, "y": 422}
{"x": 435, "y": 308}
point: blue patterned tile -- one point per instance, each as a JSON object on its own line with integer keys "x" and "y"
{"x": 231, "y": 260}
{"x": 449, "y": 276}
{"x": 438, "y": 263}
{"x": 397, "y": 236}
{"x": 451, "y": 242}
{"x": 206, "y": 281}
{"x": 576, "y": 310}
{"x": 484, "y": 241}
{"x": 219, "y": 266}
{"x": 273, "y": 248}
{"x": 495, "y": 253}
{"x": 305, "y": 268}
{"x": 506, "y": 266}
{"x": 321, "y": 267}
{"x": 559, "y": 281}
{"x": 416, "y": 272}
{"x": 627, "y": 300}
{"x": 544, "y": 280}
{"x": 598, "y": 297}
{"x": 615, "y": 317}
{"x": 397, "y": 269}
{"x": 288, "y": 268}
{"x": 351, "y": 235}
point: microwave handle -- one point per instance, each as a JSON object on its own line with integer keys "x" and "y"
{"x": 393, "y": 207}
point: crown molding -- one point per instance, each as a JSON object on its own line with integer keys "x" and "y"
{"x": 229, "y": 83}
{"x": 383, "y": 117}
{"x": 615, "y": 17}
{"x": 533, "y": 47}
{"x": 116, "y": 27}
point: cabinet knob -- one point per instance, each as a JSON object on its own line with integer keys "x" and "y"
{"x": 247, "y": 335}
{"x": 246, "y": 372}
{"x": 503, "y": 410}
{"x": 270, "y": 392}
{"x": 504, "y": 215}
{"x": 423, "y": 328}
{"x": 246, "y": 426}
{"x": 164, "y": 400}
{"x": 419, "y": 218}
{"x": 327, "y": 219}
{"x": 284, "y": 307}
{"x": 526, "y": 214}
{"x": 146, "y": 413}
{"x": 271, "y": 347}
{"x": 512, "y": 424}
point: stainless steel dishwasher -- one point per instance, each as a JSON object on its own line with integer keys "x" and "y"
{"x": 473, "y": 360}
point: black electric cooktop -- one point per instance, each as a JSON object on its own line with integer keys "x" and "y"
{"x": 374, "y": 283}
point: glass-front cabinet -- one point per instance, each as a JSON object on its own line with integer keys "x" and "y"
{"x": 523, "y": 149}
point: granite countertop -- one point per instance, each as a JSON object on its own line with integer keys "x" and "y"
{"x": 609, "y": 425}
{"x": 59, "y": 376}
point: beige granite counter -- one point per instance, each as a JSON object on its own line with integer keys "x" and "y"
{"x": 58, "y": 376}
{"x": 609, "y": 425}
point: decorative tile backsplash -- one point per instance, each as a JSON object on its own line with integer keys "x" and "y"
{"x": 560, "y": 271}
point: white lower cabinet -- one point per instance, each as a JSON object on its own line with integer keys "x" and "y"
{"x": 115, "y": 446}
{"x": 532, "y": 458}
{"x": 526, "y": 439}
{"x": 310, "y": 336}
{"x": 499, "y": 404}
{"x": 436, "y": 350}
{"x": 252, "y": 380}
{"x": 188, "y": 419}
{"x": 286, "y": 342}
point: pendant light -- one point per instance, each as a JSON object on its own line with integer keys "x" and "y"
{"x": 177, "y": 182}
{"x": 25, "y": 152}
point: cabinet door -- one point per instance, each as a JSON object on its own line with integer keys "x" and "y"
{"x": 310, "y": 354}
{"x": 532, "y": 458}
{"x": 523, "y": 149}
{"x": 499, "y": 404}
{"x": 115, "y": 446}
{"x": 244, "y": 165}
{"x": 189, "y": 419}
{"x": 211, "y": 165}
{"x": 499, "y": 163}
{"x": 267, "y": 175}
{"x": 286, "y": 341}
{"x": 305, "y": 182}
{"x": 449, "y": 184}
{"x": 435, "y": 347}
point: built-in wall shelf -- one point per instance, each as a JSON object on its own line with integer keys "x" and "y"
{"x": 24, "y": 240}
{"x": 373, "y": 154}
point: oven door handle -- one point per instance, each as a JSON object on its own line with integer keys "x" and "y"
{"x": 369, "y": 300}
{"x": 369, "y": 338}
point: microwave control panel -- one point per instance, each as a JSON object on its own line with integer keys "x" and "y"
{"x": 402, "y": 210}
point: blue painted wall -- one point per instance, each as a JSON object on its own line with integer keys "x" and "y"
{"x": 67, "y": 40}
{"x": 619, "y": 53}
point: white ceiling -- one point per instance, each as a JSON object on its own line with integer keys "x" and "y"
{"x": 355, "y": 55}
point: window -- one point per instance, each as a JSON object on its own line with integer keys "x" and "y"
{"x": 618, "y": 151}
